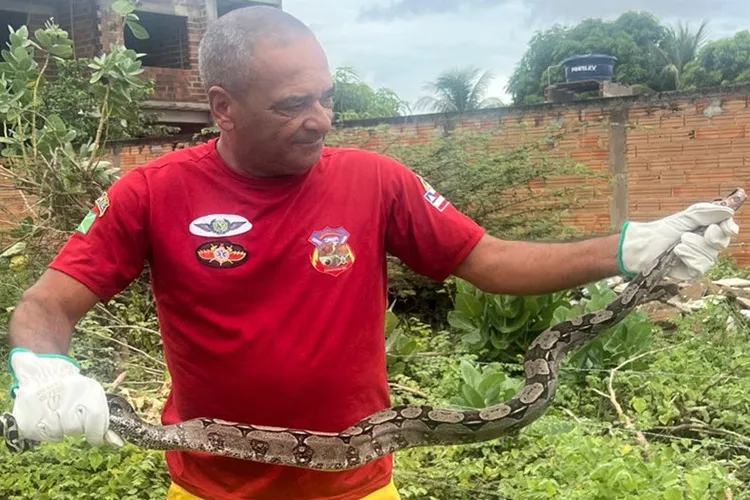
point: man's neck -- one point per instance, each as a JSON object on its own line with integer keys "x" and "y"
{"x": 241, "y": 166}
{"x": 249, "y": 167}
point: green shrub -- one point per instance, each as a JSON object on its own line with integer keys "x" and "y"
{"x": 72, "y": 97}
{"x": 630, "y": 337}
{"x": 495, "y": 186}
{"x": 563, "y": 460}
{"x": 75, "y": 469}
{"x": 480, "y": 389}
{"x": 501, "y": 327}
{"x": 45, "y": 157}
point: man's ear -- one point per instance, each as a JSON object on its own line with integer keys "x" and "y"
{"x": 223, "y": 107}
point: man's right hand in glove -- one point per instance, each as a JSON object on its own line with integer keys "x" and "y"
{"x": 53, "y": 400}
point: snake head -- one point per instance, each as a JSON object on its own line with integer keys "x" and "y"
{"x": 119, "y": 405}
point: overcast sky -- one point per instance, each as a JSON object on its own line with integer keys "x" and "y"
{"x": 403, "y": 43}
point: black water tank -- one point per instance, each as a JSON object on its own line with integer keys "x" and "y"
{"x": 598, "y": 67}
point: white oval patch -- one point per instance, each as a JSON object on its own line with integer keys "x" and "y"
{"x": 217, "y": 225}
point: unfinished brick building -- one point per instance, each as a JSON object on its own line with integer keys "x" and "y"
{"x": 175, "y": 28}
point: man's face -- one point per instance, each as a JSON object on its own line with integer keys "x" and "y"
{"x": 281, "y": 122}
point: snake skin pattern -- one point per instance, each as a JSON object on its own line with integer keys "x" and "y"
{"x": 396, "y": 428}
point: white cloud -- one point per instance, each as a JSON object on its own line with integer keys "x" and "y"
{"x": 407, "y": 42}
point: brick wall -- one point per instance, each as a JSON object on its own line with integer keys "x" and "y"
{"x": 80, "y": 19}
{"x": 172, "y": 83}
{"x": 659, "y": 153}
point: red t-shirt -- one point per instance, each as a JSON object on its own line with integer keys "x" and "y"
{"x": 271, "y": 296}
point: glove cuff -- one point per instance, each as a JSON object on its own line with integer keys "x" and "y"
{"x": 17, "y": 350}
{"x": 620, "y": 263}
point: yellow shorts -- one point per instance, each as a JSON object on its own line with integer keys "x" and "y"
{"x": 388, "y": 492}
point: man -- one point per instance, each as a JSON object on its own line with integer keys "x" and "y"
{"x": 267, "y": 254}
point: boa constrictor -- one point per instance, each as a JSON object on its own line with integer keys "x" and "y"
{"x": 395, "y": 428}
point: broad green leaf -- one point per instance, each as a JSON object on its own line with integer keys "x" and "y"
{"x": 60, "y": 50}
{"x": 391, "y": 320}
{"x": 473, "y": 338}
{"x": 471, "y": 396}
{"x": 95, "y": 458}
{"x": 488, "y": 381}
{"x": 138, "y": 31}
{"x": 458, "y": 320}
{"x": 123, "y": 7}
{"x": 499, "y": 341}
{"x": 672, "y": 494}
{"x": 44, "y": 39}
{"x": 469, "y": 373}
{"x": 469, "y": 305}
{"x": 513, "y": 325}
{"x": 639, "y": 404}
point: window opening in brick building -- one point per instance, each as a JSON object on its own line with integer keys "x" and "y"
{"x": 167, "y": 45}
{"x": 224, "y": 6}
{"x": 14, "y": 19}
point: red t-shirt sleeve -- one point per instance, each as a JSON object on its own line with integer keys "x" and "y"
{"x": 111, "y": 253}
{"x": 425, "y": 231}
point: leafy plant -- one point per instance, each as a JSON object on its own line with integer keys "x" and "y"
{"x": 690, "y": 403}
{"x": 459, "y": 90}
{"x": 630, "y": 337}
{"x": 400, "y": 347}
{"x": 44, "y": 158}
{"x": 480, "y": 389}
{"x": 354, "y": 99}
{"x": 501, "y": 327}
{"x": 75, "y": 469}
{"x": 502, "y": 187}
{"x": 720, "y": 62}
{"x": 72, "y": 97}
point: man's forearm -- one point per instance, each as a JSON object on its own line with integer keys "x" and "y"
{"x": 37, "y": 326}
{"x": 523, "y": 268}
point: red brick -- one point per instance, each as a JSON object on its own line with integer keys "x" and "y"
{"x": 696, "y": 193}
{"x": 720, "y": 133}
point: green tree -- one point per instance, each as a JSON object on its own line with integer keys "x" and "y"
{"x": 354, "y": 99}
{"x": 71, "y": 97}
{"x": 721, "y": 62}
{"x": 679, "y": 48}
{"x": 61, "y": 169}
{"x": 459, "y": 90}
{"x": 630, "y": 38}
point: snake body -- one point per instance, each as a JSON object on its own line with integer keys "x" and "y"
{"x": 396, "y": 428}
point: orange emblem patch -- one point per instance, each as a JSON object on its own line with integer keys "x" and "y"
{"x": 221, "y": 254}
{"x": 332, "y": 254}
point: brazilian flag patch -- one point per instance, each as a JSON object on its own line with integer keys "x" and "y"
{"x": 87, "y": 222}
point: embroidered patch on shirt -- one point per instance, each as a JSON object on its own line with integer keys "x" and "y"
{"x": 87, "y": 222}
{"x": 432, "y": 196}
{"x": 221, "y": 254}
{"x": 220, "y": 225}
{"x": 436, "y": 200}
{"x": 425, "y": 184}
{"x": 102, "y": 203}
{"x": 332, "y": 254}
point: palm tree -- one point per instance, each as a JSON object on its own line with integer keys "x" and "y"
{"x": 458, "y": 90}
{"x": 678, "y": 48}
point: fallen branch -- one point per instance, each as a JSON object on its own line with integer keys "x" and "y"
{"x": 639, "y": 437}
{"x": 408, "y": 389}
{"x": 700, "y": 426}
{"x": 118, "y": 381}
{"x": 124, "y": 344}
{"x": 571, "y": 415}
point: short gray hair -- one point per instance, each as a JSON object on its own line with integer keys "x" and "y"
{"x": 227, "y": 46}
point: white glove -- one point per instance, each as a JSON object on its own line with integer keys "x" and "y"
{"x": 53, "y": 400}
{"x": 642, "y": 242}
